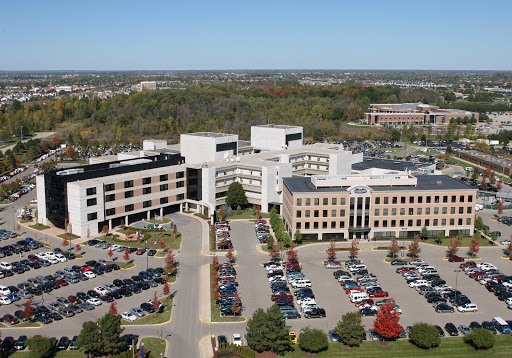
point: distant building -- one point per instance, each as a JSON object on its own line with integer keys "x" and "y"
{"x": 413, "y": 113}
{"x": 496, "y": 164}
{"x": 145, "y": 86}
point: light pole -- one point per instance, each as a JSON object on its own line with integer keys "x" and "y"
{"x": 456, "y": 281}
{"x": 13, "y": 219}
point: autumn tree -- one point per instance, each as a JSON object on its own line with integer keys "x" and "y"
{"x": 484, "y": 182}
{"x": 215, "y": 288}
{"x": 292, "y": 252}
{"x": 394, "y": 247}
{"x": 454, "y": 247}
{"x": 104, "y": 230}
{"x": 354, "y": 248}
{"x": 274, "y": 252}
{"x": 215, "y": 262}
{"x": 331, "y": 251}
{"x": 258, "y": 211}
{"x": 474, "y": 248}
{"x": 500, "y": 208}
{"x": 170, "y": 263}
{"x": 414, "y": 246}
{"x": 236, "y": 306}
{"x": 154, "y": 302}
{"x": 110, "y": 253}
{"x": 126, "y": 255}
{"x": 113, "y": 307}
{"x": 222, "y": 213}
{"x": 65, "y": 243}
{"x": 28, "y": 310}
{"x": 386, "y": 323}
{"x": 78, "y": 247}
{"x": 230, "y": 255}
{"x": 161, "y": 243}
{"x": 499, "y": 184}
{"x": 509, "y": 247}
{"x": 166, "y": 289}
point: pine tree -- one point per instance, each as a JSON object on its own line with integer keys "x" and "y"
{"x": 110, "y": 327}
{"x": 386, "y": 323}
{"x": 89, "y": 339}
{"x": 268, "y": 331}
{"x": 350, "y": 329}
{"x": 235, "y": 195}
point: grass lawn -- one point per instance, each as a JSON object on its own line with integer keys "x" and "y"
{"x": 155, "y": 346}
{"x": 58, "y": 354}
{"x": 465, "y": 242}
{"x": 39, "y": 227}
{"x": 449, "y": 347}
{"x": 123, "y": 265}
{"x": 385, "y": 248}
{"x": 215, "y": 308}
{"x": 153, "y": 239}
{"x": 154, "y": 318}
{"x": 406, "y": 259}
{"x": 246, "y": 214}
{"x": 68, "y": 236}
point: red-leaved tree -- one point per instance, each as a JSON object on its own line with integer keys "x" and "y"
{"x": 28, "y": 310}
{"x": 499, "y": 185}
{"x": 170, "y": 263}
{"x": 258, "y": 211}
{"x": 236, "y": 306}
{"x": 292, "y": 252}
{"x": 474, "y": 248}
{"x": 231, "y": 254}
{"x": 500, "y": 208}
{"x": 126, "y": 255}
{"x": 354, "y": 248}
{"x": 78, "y": 247}
{"x": 414, "y": 246}
{"x": 386, "y": 323}
{"x": 484, "y": 182}
{"x": 155, "y": 303}
{"x": 113, "y": 307}
{"x": 167, "y": 288}
{"x": 331, "y": 250}
{"x": 454, "y": 246}
{"x": 110, "y": 253}
{"x": 274, "y": 252}
{"x": 65, "y": 243}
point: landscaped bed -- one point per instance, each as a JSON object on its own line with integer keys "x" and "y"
{"x": 39, "y": 227}
{"x": 151, "y": 239}
{"x": 154, "y": 346}
{"x": 154, "y": 318}
{"x": 216, "y": 317}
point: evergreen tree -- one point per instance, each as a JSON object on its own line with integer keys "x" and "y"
{"x": 235, "y": 196}
{"x": 110, "y": 326}
{"x": 298, "y": 236}
{"x": 350, "y": 329}
{"x": 40, "y": 347}
{"x": 424, "y": 335}
{"x": 268, "y": 331}
{"x": 313, "y": 340}
{"x": 89, "y": 339}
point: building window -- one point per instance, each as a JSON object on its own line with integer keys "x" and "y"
{"x": 324, "y": 213}
{"x": 411, "y": 200}
{"x": 297, "y": 226}
{"x": 315, "y": 225}
{"x": 429, "y": 199}
{"x": 333, "y": 213}
{"x": 402, "y": 200}
{"x": 377, "y": 200}
{"x": 299, "y": 202}
{"x": 445, "y": 210}
{"x": 180, "y": 184}
{"x": 299, "y": 214}
{"x": 306, "y": 225}
{"x": 164, "y": 187}
{"x": 460, "y": 221}
{"x": 452, "y": 222}
{"x": 342, "y": 212}
{"x": 468, "y": 221}
{"x": 109, "y": 187}
{"x": 180, "y": 196}
{"x": 128, "y": 194}
{"x": 146, "y": 181}
{"x": 91, "y": 191}
{"x": 418, "y": 222}
{"x": 342, "y": 201}
{"x": 443, "y": 222}
{"x": 461, "y": 198}
{"x": 393, "y": 212}
{"x": 92, "y": 216}
{"x": 395, "y": 200}
{"x": 385, "y": 212}
{"x": 342, "y": 224}
{"x": 469, "y": 210}
{"x": 470, "y": 198}
{"x": 146, "y": 190}
{"x": 326, "y": 201}
{"x": 307, "y": 214}
{"x": 461, "y": 210}
{"x": 436, "y": 211}
{"x": 164, "y": 200}
{"x": 419, "y": 211}
{"x": 402, "y": 223}
{"x": 420, "y": 200}
{"x": 180, "y": 175}
{"x": 427, "y": 211}
{"x": 377, "y": 212}
{"x": 111, "y": 212}
{"x": 445, "y": 198}
{"x": 110, "y": 197}
{"x": 376, "y": 223}
{"x": 128, "y": 184}
{"x": 436, "y": 222}
{"x": 427, "y": 222}
{"x": 91, "y": 202}
{"x": 386, "y": 200}
{"x": 411, "y": 211}
{"x": 384, "y": 223}
{"x": 324, "y": 225}
{"x": 402, "y": 211}
{"x": 393, "y": 223}
{"x": 146, "y": 204}
{"x": 317, "y": 201}
{"x": 452, "y": 210}
{"x": 128, "y": 207}
{"x": 164, "y": 177}
{"x": 316, "y": 213}
{"x": 333, "y": 224}
{"x": 334, "y": 201}
{"x": 308, "y": 202}
{"x": 454, "y": 198}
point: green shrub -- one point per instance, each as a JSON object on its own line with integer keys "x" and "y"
{"x": 424, "y": 335}
{"x": 480, "y": 338}
{"x": 313, "y": 340}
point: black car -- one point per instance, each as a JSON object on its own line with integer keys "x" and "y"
{"x": 81, "y": 296}
{"x": 451, "y": 329}
{"x": 13, "y": 289}
{"x": 93, "y": 294}
{"x": 398, "y": 262}
{"x": 435, "y": 298}
{"x": 21, "y": 343}
{"x": 147, "y": 307}
{"x": 474, "y": 325}
{"x": 159, "y": 280}
{"x": 125, "y": 292}
{"x": 134, "y": 288}
{"x": 35, "y": 265}
{"x": 315, "y": 312}
{"x": 489, "y": 326}
{"x": 63, "y": 343}
{"x": 136, "y": 279}
{"x": 151, "y": 252}
{"x": 440, "y": 330}
{"x": 118, "y": 283}
{"x": 19, "y": 315}
{"x": 55, "y": 316}
{"x": 7, "y": 344}
{"x": 44, "y": 319}
{"x": 443, "y": 308}
{"x": 72, "y": 344}
{"x": 116, "y": 294}
{"x": 367, "y": 312}
{"x": 283, "y": 302}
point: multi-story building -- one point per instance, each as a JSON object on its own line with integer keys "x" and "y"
{"x": 413, "y": 113}
{"x": 496, "y": 164}
{"x": 377, "y": 204}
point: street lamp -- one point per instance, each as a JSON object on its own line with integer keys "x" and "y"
{"x": 456, "y": 281}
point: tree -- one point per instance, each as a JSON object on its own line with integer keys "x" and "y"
{"x": 268, "y": 331}
{"x": 231, "y": 254}
{"x": 40, "y": 347}
{"x": 78, "y": 247}
{"x": 222, "y": 213}
{"x": 454, "y": 247}
{"x": 439, "y": 237}
{"x": 258, "y": 211}
{"x": 166, "y": 289}
{"x": 89, "y": 339}
{"x": 313, "y": 340}
{"x": 484, "y": 182}
{"x": 274, "y": 252}
{"x": 28, "y": 310}
{"x": 126, "y": 255}
{"x": 500, "y": 208}
{"x": 239, "y": 210}
{"x": 386, "y": 323}
{"x": 236, "y": 305}
{"x": 110, "y": 253}
{"x": 110, "y": 327}
{"x": 162, "y": 243}
{"x": 424, "y": 335}
{"x": 479, "y": 223}
{"x": 350, "y": 329}
{"x": 170, "y": 263}
{"x": 154, "y": 302}
{"x": 474, "y": 248}
{"x": 65, "y": 242}
{"x": 235, "y": 195}
{"x": 287, "y": 241}
{"x": 354, "y": 248}
{"x": 480, "y": 338}
{"x": 414, "y": 246}
{"x": 331, "y": 251}
{"x": 292, "y": 252}
{"x": 298, "y": 237}
{"x": 509, "y": 247}
{"x": 424, "y": 233}
{"x": 394, "y": 247}
{"x": 499, "y": 184}
{"x": 113, "y": 307}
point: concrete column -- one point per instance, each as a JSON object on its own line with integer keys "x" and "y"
{"x": 161, "y": 211}
{"x": 149, "y": 215}
{"x": 126, "y": 220}
{"x": 110, "y": 224}
{"x": 186, "y": 206}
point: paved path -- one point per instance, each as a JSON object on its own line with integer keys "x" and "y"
{"x": 40, "y": 135}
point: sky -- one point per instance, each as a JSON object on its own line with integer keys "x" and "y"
{"x": 244, "y": 34}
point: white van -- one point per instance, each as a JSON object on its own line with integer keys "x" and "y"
{"x": 357, "y": 296}
{"x": 356, "y": 267}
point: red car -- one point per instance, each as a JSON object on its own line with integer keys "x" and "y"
{"x": 348, "y": 290}
{"x": 455, "y": 258}
{"x": 264, "y": 222}
{"x": 33, "y": 258}
{"x": 468, "y": 264}
{"x": 140, "y": 251}
{"x": 85, "y": 268}
{"x": 476, "y": 273}
{"x": 367, "y": 301}
{"x": 9, "y": 318}
{"x": 378, "y": 294}
{"x": 74, "y": 299}
{"x": 62, "y": 282}
{"x": 348, "y": 282}
{"x": 282, "y": 296}
{"x": 404, "y": 269}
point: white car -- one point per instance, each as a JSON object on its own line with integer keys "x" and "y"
{"x": 4, "y": 290}
{"x": 468, "y": 307}
{"x": 397, "y": 309}
{"x": 89, "y": 274}
{"x": 94, "y": 301}
{"x": 273, "y": 267}
{"x": 101, "y": 290}
{"x": 41, "y": 255}
{"x": 237, "y": 339}
{"x": 274, "y": 278}
{"x": 301, "y": 283}
{"x": 60, "y": 258}
{"x": 128, "y": 316}
{"x": 306, "y": 300}
{"x": 53, "y": 260}
{"x": 5, "y": 266}
{"x": 5, "y": 301}
{"x": 33, "y": 201}
{"x": 418, "y": 283}
{"x": 505, "y": 242}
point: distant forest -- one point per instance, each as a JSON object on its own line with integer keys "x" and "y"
{"x": 168, "y": 113}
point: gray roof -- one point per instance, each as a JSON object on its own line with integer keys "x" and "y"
{"x": 388, "y": 164}
{"x": 425, "y": 183}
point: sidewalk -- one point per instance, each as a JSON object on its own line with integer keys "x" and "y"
{"x": 205, "y": 310}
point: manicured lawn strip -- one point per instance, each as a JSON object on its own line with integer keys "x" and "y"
{"x": 58, "y": 354}
{"x": 216, "y": 309}
{"x": 155, "y": 346}
{"x": 246, "y": 214}
{"x": 154, "y": 318}
{"x": 465, "y": 242}
{"x": 386, "y": 248}
{"x": 152, "y": 242}
{"x": 39, "y": 227}
{"x": 68, "y": 236}
{"x": 406, "y": 259}
{"x": 123, "y": 265}
{"x": 449, "y": 347}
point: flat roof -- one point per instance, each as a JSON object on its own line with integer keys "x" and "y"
{"x": 210, "y": 134}
{"x": 400, "y": 165}
{"x": 425, "y": 183}
{"x": 487, "y": 157}
{"x": 281, "y": 126}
